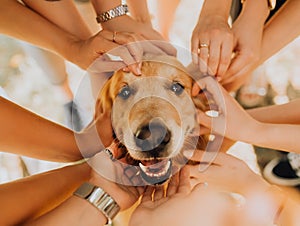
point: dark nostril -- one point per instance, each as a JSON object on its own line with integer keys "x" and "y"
{"x": 151, "y": 136}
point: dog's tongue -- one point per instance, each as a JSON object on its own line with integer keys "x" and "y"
{"x": 155, "y": 164}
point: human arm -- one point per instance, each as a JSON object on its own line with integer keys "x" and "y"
{"x": 213, "y": 29}
{"x": 39, "y": 31}
{"x": 280, "y": 30}
{"x": 139, "y": 11}
{"x": 230, "y": 174}
{"x": 248, "y": 32}
{"x": 235, "y": 123}
{"x": 126, "y": 23}
{"x": 28, "y": 198}
{"x": 139, "y": 21}
{"x": 77, "y": 211}
{"x": 64, "y": 14}
{"x": 26, "y": 133}
{"x": 190, "y": 205}
{"x": 280, "y": 114}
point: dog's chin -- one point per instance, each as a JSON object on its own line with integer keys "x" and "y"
{"x": 156, "y": 171}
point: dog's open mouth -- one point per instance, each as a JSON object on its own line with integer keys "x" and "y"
{"x": 156, "y": 171}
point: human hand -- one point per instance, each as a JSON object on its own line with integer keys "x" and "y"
{"x": 227, "y": 173}
{"x": 144, "y": 29}
{"x": 119, "y": 180}
{"x": 212, "y": 45}
{"x": 247, "y": 50}
{"x": 190, "y": 205}
{"x": 230, "y": 114}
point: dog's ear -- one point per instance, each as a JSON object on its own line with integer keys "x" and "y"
{"x": 104, "y": 100}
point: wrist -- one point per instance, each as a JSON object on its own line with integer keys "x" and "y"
{"x": 252, "y": 132}
{"x": 221, "y": 9}
{"x": 99, "y": 199}
{"x": 255, "y": 12}
{"x": 71, "y": 50}
{"x": 107, "y": 186}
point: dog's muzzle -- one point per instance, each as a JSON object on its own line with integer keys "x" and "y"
{"x": 152, "y": 138}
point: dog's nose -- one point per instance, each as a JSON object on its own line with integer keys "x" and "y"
{"x": 152, "y": 136}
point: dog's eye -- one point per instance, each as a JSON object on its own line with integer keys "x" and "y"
{"x": 177, "y": 88}
{"x": 125, "y": 92}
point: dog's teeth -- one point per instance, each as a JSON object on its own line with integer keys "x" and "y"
{"x": 144, "y": 168}
{"x": 168, "y": 165}
{"x": 163, "y": 172}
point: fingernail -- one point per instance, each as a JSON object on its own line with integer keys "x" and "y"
{"x": 138, "y": 70}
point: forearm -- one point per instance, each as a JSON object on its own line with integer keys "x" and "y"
{"x": 26, "y": 133}
{"x": 28, "y": 198}
{"x": 283, "y": 137}
{"x": 216, "y": 8}
{"x": 255, "y": 13}
{"x": 22, "y": 23}
{"x": 64, "y": 14}
{"x": 281, "y": 29}
{"x": 74, "y": 211}
{"x": 139, "y": 11}
{"x": 281, "y": 114}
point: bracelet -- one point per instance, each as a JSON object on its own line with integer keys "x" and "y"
{"x": 112, "y": 13}
{"x": 100, "y": 199}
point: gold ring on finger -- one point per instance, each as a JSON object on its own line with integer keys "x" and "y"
{"x": 204, "y": 45}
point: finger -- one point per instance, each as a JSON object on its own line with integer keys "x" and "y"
{"x": 240, "y": 75}
{"x": 131, "y": 53}
{"x": 184, "y": 186}
{"x": 172, "y": 186}
{"x": 147, "y": 197}
{"x": 127, "y": 58}
{"x": 234, "y": 85}
{"x": 195, "y": 48}
{"x": 203, "y": 57}
{"x": 237, "y": 64}
{"x": 159, "y": 193}
{"x": 166, "y": 47}
{"x": 203, "y": 119}
{"x": 225, "y": 58}
{"x": 195, "y": 89}
{"x": 214, "y": 91}
{"x": 149, "y": 47}
{"x": 214, "y": 56}
{"x": 204, "y": 130}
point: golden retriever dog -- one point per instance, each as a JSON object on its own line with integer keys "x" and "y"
{"x": 153, "y": 116}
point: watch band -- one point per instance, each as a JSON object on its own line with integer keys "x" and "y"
{"x": 112, "y": 13}
{"x": 100, "y": 199}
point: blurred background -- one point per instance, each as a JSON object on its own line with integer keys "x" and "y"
{"x": 25, "y": 82}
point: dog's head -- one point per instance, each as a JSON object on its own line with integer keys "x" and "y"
{"x": 152, "y": 115}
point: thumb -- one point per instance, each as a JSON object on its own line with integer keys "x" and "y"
{"x": 203, "y": 119}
